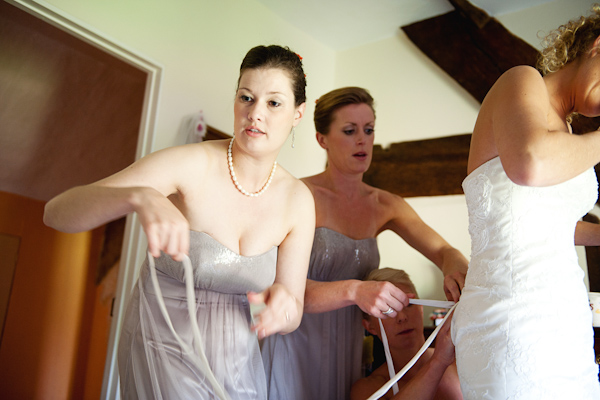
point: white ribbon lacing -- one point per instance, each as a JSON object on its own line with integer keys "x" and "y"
{"x": 393, "y": 381}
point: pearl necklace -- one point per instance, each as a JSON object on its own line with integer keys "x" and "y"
{"x": 237, "y": 184}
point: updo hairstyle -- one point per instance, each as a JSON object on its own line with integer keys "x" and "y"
{"x": 275, "y": 56}
{"x": 330, "y": 102}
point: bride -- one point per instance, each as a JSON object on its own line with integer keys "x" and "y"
{"x": 523, "y": 327}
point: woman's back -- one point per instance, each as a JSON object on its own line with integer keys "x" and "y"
{"x": 524, "y": 292}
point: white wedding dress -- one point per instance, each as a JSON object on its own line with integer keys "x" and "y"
{"x": 523, "y": 326}
{"x": 155, "y": 361}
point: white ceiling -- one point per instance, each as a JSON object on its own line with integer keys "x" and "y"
{"x": 344, "y": 24}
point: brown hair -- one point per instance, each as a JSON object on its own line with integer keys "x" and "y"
{"x": 569, "y": 41}
{"x": 274, "y": 56}
{"x": 330, "y": 102}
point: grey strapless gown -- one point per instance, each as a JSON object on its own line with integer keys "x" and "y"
{"x": 322, "y": 358}
{"x": 153, "y": 364}
{"x": 523, "y": 326}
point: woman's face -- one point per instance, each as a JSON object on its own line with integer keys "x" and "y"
{"x": 406, "y": 328}
{"x": 349, "y": 143}
{"x": 264, "y": 109}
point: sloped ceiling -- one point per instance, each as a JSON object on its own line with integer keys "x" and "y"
{"x": 343, "y": 24}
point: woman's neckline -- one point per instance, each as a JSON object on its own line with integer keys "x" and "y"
{"x": 205, "y": 234}
{"x": 341, "y": 234}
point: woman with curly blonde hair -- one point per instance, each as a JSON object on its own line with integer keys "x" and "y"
{"x": 523, "y": 327}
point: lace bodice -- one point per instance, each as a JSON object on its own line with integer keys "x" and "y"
{"x": 522, "y": 328}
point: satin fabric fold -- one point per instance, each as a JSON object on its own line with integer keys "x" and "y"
{"x": 153, "y": 364}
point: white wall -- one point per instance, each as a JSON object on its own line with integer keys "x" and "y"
{"x": 201, "y": 44}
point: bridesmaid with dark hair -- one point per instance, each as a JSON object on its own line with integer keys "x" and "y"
{"x": 247, "y": 226}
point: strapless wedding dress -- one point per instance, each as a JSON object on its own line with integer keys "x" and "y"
{"x": 154, "y": 364}
{"x": 523, "y": 326}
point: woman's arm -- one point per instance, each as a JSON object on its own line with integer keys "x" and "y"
{"x": 587, "y": 234}
{"x": 142, "y": 187}
{"x": 372, "y": 297}
{"x": 284, "y": 300}
{"x": 438, "y": 374}
{"x": 409, "y": 226}
{"x": 534, "y": 145}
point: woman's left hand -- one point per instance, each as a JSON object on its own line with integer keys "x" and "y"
{"x": 280, "y": 313}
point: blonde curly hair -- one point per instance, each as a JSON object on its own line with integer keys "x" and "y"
{"x": 569, "y": 41}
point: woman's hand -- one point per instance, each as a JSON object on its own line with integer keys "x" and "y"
{"x": 444, "y": 348}
{"x": 376, "y": 298}
{"x": 281, "y": 313}
{"x": 454, "y": 268}
{"x": 165, "y": 226}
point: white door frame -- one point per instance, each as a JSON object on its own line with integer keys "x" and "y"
{"x": 134, "y": 242}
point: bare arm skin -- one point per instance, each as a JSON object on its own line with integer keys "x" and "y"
{"x": 409, "y": 226}
{"x": 371, "y": 297}
{"x": 528, "y": 133}
{"x": 587, "y": 234}
{"x": 285, "y": 299}
{"x": 284, "y": 216}
{"x": 142, "y": 187}
{"x": 388, "y": 212}
{"x": 436, "y": 379}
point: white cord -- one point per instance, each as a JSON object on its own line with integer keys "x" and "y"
{"x": 384, "y": 389}
{"x": 388, "y": 356}
{"x": 191, "y": 302}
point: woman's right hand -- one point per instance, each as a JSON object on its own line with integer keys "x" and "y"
{"x": 375, "y": 298}
{"x": 165, "y": 226}
{"x": 444, "y": 347}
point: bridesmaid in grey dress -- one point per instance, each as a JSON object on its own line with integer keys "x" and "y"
{"x": 322, "y": 358}
{"x": 247, "y": 227}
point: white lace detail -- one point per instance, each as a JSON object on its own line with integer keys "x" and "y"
{"x": 522, "y": 329}
{"x": 480, "y": 203}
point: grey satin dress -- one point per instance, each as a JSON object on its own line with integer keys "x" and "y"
{"x": 154, "y": 364}
{"x": 322, "y": 358}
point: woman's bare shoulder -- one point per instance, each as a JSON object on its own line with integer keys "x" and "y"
{"x": 188, "y": 152}
{"x": 385, "y": 198}
{"x": 519, "y": 79}
{"x": 520, "y": 73}
{"x": 314, "y": 181}
{"x": 365, "y": 387}
{"x": 297, "y": 186}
